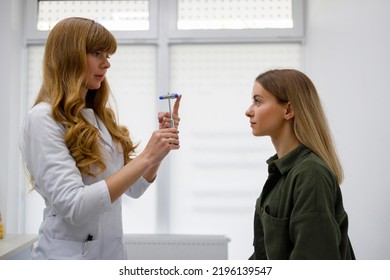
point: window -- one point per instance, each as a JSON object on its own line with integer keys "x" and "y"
{"x": 210, "y": 51}
{"x": 114, "y": 15}
{"x": 237, "y": 14}
{"x": 127, "y": 19}
{"x": 259, "y": 20}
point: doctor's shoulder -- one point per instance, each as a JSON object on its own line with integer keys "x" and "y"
{"x": 39, "y": 110}
{"x": 39, "y": 118}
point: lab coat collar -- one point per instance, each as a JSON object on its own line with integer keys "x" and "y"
{"x": 94, "y": 120}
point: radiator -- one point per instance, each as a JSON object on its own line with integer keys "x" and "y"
{"x": 176, "y": 247}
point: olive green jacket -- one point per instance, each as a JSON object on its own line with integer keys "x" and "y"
{"x": 300, "y": 213}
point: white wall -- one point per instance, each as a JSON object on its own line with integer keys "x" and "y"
{"x": 347, "y": 55}
{"x": 11, "y": 80}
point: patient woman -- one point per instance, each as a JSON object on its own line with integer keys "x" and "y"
{"x": 300, "y": 213}
{"x": 81, "y": 161}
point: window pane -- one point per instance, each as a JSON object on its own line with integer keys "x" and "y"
{"x": 220, "y": 168}
{"x": 132, "y": 78}
{"x": 234, "y": 14}
{"x": 114, "y": 15}
{"x": 34, "y": 73}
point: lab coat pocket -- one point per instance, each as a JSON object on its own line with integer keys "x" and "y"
{"x": 276, "y": 236}
{"x": 73, "y": 250}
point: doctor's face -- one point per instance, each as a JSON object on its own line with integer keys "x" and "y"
{"x": 97, "y": 65}
{"x": 265, "y": 114}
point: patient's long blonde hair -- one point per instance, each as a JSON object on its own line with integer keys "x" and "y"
{"x": 310, "y": 124}
{"x": 64, "y": 71}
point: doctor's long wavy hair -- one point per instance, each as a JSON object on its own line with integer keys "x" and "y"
{"x": 310, "y": 124}
{"x": 64, "y": 72}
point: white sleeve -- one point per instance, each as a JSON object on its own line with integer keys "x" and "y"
{"x": 138, "y": 188}
{"x": 54, "y": 170}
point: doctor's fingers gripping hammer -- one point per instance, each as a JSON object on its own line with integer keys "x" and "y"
{"x": 170, "y": 96}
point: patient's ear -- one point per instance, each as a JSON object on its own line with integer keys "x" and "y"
{"x": 289, "y": 112}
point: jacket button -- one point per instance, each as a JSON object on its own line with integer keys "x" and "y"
{"x": 261, "y": 209}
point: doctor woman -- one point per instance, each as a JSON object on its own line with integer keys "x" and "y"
{"x": 79, "y": 158}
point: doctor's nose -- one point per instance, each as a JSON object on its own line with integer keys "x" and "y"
{"x": 106, "y": 64}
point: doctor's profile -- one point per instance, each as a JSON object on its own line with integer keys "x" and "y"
{"x": 300, "y": 212}
{"x": 78, "y": 157}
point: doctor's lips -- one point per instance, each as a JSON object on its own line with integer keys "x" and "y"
{"x": 100, "y": 77}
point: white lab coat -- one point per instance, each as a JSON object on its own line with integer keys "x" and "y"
{"x": 76, "y": 205}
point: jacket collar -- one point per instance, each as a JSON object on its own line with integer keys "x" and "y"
{"x": 94, "y": 120}
{"x": 284, "y": 164}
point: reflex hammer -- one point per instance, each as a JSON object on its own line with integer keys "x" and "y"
{"x": 170, "y": 96}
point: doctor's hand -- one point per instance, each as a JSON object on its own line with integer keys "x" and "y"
{"x": 145, "y": 164}
{"x": 163, "y": 117}
{"x": 160, "y": 144}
